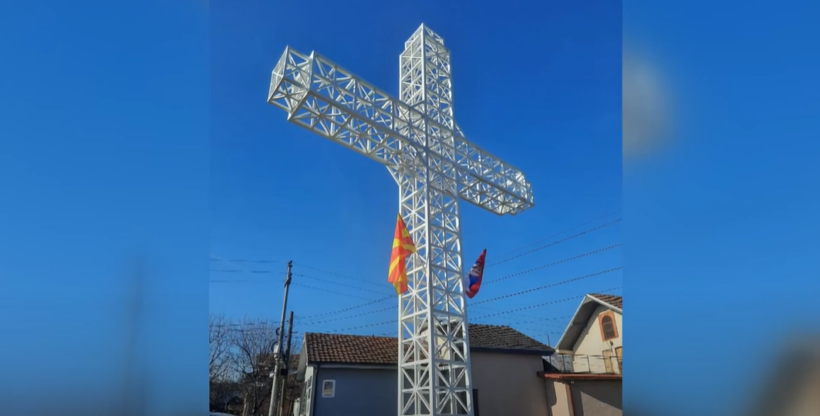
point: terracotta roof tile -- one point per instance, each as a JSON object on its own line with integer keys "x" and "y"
{"x": 616, "y": 301}
{"x": 359, "y": 349}
{"x": 502, "y": 337}
{"x": 339, "y": 348}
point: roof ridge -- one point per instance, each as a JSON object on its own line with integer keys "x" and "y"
{"x": 616, "y": 301}
{"x": 372, "y": 349}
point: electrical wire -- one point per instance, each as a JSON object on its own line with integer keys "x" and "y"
{"x": 600, "y": 250}
{"x": 487, "y": 315}
{"x": 540, "y": 305}
{"x": 560, "y": 233}
{"x": 518, "y": 256}
{"x": 535, "y": 289}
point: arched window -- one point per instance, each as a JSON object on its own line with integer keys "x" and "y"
{"x": 608, "y": 329}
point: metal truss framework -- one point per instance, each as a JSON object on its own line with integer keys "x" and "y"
{"x": 426, "y": 152}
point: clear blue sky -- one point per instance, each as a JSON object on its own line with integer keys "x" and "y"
{"x": 539, "y": 89}
{"x": 103, "y": 156}
{"x": 720, "y": 231}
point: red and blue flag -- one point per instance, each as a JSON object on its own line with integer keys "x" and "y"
{"x": 473, "y": 281}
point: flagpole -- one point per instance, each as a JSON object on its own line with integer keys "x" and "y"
{"x": 279, "y": 335}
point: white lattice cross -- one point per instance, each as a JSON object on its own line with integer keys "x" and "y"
{"x": 435, "y": 166}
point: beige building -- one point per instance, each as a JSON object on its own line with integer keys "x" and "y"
{"x": 357, "y": 375}
{"x": 584, "y": 377}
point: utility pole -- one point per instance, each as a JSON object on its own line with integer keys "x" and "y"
{"x": 278, "y": 355}
{"x": 287, "y": 368}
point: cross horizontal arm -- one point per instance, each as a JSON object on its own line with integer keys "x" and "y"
{"x": 330, "y": 101}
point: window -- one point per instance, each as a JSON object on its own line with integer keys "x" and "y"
{"x": 328, "y": 388}
{"x": 608, "y": 329}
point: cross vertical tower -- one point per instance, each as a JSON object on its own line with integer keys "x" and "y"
{"x": 434, "y": 359}
{"x": 435, "y": 166}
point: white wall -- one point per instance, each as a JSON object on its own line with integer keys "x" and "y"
{"x": 590, "y": 343}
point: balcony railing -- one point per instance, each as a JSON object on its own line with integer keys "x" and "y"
{"x": 584, "y": 364}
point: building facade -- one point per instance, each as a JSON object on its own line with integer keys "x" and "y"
{"x": 357, "y": 375}
{"x": 584, "y": 378}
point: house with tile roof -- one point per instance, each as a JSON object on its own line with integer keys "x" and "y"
{"x": 357, "y": 375}
{"x": 584, "y": 377}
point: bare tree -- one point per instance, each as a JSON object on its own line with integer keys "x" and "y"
{"x": 221, "y": 376}
{"x": 253, "y": 342}
{"x": 220, "y": 338}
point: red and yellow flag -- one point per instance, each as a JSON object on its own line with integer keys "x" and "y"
{"x": 403, "y": 247}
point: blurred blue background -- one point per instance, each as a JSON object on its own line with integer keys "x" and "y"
{"x": 721, "y": 203}
{"x": 103, "y": 197}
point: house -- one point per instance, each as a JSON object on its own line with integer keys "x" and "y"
{"x": 357, "y": 375}
{"x": 584, "y": 377}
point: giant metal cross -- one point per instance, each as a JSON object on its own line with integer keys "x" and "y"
{"x": 427, "y": 154}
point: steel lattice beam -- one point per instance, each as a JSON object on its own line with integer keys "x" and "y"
{"x": 417, "y": 139}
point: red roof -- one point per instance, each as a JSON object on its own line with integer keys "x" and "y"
{"x": 359, "y": 349}
{"x": 616, "y": 301}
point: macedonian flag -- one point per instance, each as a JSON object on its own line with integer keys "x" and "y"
{"x": 403, "y": 247}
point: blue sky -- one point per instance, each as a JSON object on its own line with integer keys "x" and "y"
{"x": 104, "y": 158}
{"x": 721, "y": 219}
{"x": 541, "y": 90}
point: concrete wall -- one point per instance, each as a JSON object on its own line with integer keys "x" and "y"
{"x": 558, "y": 399}
{"x": 359, "y": 392}
{"x": 589, "y": 398}
{"x": 597, "y": 398}
{"x": 508, "y": 385}
{"x": 591, "y": 343}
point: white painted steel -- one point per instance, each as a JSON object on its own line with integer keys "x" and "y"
{"x": 418, "y": 140}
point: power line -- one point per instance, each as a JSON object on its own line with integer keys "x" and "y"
{"x": 217, "y": 258}
{"x": 389, "y": 308}
{"x": 544, "y": 304}
{"x": 546, "y": 319}
{"x": 328, "y": 290}
{"x": 551, "y": 264}
{"x": 393, "y": 321}
{"x": 535, "y": 289}
{"x": 248, "y": 271}
{"x": 381, "y": 292}
{"x": 519, "y": 315}
{"x": 319, "y": 279}
{"x": 318, "y": 315}
{"x": 560, "y": 233}
{"x": 488, "y": 315}
{"x": 493, "y": 281}
{"x": 517, "y": 256}
{"x": 474, "y": 303}
{"x": 336, "y": 274}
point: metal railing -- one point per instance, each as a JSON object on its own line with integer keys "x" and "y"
{"x": 584, "y": 364}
